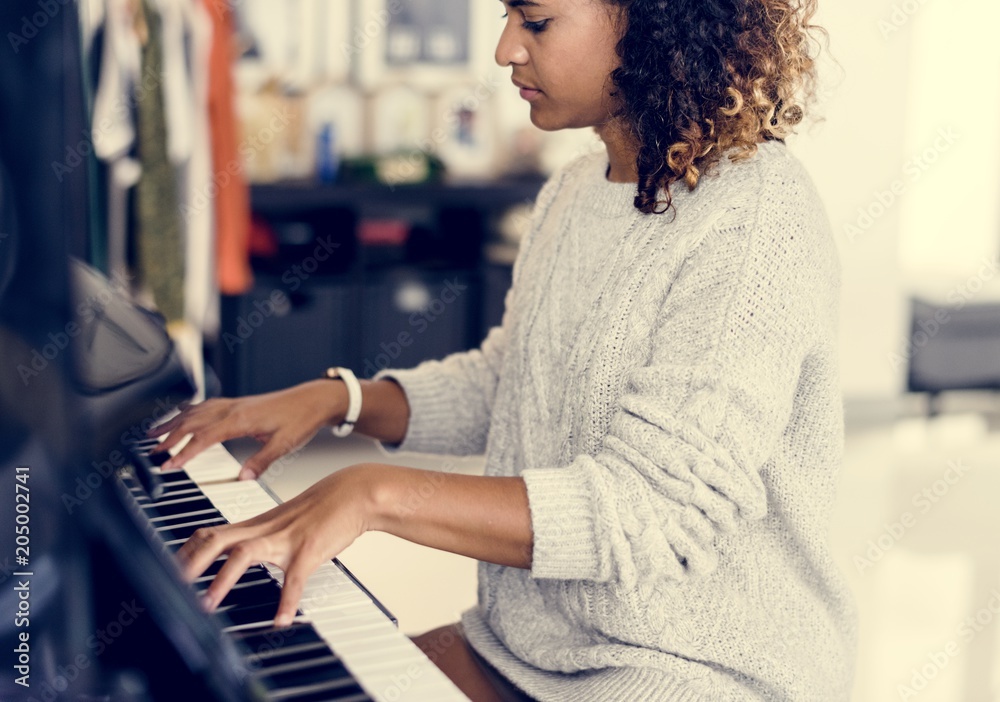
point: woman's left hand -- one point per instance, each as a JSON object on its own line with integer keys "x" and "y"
{"x": 297, "y": 536}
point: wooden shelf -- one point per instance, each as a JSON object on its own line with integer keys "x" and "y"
{"x": 287, "y": 197}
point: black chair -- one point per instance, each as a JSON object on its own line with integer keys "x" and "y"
{"x": 952, "y": 348}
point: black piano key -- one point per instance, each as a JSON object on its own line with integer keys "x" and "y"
{"x": 252, "y": 574}
{"x": 184, "y": 517}
{"x": 167, "y": 508}
{"x": 186, "y": 532}
{"x": 350, "y": 694}
{"x": 260, "y": 592}
{"x": 146, "y": 447}
{"x": 250, "y": 614}
{"x": 139, "y": 493}
{"x": 179, "y": 487}
{"x": 158, "y": 459}
{"x": 268, "y": 646}
{"x": 265, "y": 663}
{"x": 214, "y": 568}
{"x": 171, "y": 476}
{"x": 168, "y": 496}
{"x": 329, "y": 673}
{"x": 272, "y": 636}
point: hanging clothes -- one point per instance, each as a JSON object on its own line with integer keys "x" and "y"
{"x": 113, "y": 123}
{"x": 232, "y": 199}
{"x": 201, "y": 293}
{"x": 158, "y": 223}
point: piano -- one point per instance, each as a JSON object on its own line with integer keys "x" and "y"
{"x": 110, "y": 618}
{"x": 343, "y": 645}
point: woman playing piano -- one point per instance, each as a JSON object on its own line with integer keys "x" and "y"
{"x": 659, "y": 408}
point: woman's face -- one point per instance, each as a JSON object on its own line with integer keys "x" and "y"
{"x": 562, "y": 53}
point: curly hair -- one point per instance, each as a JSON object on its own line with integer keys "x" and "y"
{"x": 699, "y": 77}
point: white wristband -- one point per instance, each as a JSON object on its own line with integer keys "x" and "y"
{"x": 354, "y": 399}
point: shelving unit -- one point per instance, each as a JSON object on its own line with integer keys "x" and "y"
{"x": 330, "y": 298}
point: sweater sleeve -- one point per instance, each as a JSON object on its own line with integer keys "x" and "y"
{"x": 451, "y": 399}
{"x": 694, "y": 428}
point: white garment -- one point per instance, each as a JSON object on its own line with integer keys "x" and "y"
{"x": 113, "y": 127}
{"x": 185, "y": 84}
{"x": 178, "y": 89}
{"x": 675, "y": 413}
{"x": 200, "y": 288}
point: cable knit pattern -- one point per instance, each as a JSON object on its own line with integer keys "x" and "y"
{"x": 668, "y": 390}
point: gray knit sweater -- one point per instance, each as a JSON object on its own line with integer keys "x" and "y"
{"x": 668, "y": 389}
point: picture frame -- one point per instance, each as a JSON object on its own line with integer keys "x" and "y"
{"x": 301, "y": 43}
{"x": 427, "y": 44}
{"x": 401, "y": 119}
{"x": 464, "y": 134}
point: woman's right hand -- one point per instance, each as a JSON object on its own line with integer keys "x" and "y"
{"x": 283, "y": 421}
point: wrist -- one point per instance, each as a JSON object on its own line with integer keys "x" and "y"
{"x": 376, "y": 487}
{"x": 329, "y": 397}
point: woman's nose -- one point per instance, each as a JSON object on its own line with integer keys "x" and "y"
{"x": 510, "y": 50}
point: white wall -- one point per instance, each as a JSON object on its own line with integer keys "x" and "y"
{"x": 854, "y": 154}
{"x": 913, "y": 70}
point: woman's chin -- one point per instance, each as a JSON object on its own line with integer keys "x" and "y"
{"x": 546, "y": 121}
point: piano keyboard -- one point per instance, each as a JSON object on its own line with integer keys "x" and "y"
{"x": 342, "y": 644}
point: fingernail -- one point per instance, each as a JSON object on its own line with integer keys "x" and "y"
{"x": 282, "y": 620}
{"x": 207, "y": 603}
{"x": 168, "y": 465}
{"x": 246, "y": 474}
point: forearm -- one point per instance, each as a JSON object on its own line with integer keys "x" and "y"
{"x": 486, "y": 518}
{"x": 385, "y": 413}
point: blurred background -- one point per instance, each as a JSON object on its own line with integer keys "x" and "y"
{"x": 349, "y": 180}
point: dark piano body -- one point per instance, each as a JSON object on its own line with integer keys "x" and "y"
{"x": 103, "y": 614}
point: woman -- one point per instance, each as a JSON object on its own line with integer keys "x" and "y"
{"x": 659, "y": 409}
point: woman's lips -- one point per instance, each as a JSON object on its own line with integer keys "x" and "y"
{"x": 530, "y": 93}
{"x": 527, "y": 92}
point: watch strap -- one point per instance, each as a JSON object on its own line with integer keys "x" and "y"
{"x": 353, "y": 401}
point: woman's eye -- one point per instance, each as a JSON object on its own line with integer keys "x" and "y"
{"x": 535, "y": 27}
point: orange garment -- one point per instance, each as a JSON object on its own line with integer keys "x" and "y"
{"x": 232, "y": 199}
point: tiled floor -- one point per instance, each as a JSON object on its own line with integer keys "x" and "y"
{"x": 915, "y": 532}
